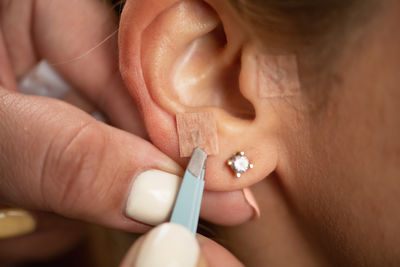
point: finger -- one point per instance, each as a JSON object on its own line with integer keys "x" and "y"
{"x": 57, "y": 158}
{"x": 79, "y": 39}
{"x": 6, "y": 74}
{"x": 69, "y": 152}
{"x": 216, "y": 255}
{"x": 16, "y": 21}
{"x": 86, "y": 54}
{"x": 63, "y": 234}
{"x": 153, "y": 196}
{"x": 171, "y": 244}
{"x": 229, "y": 208}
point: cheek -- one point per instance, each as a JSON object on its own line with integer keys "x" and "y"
{"x": 346, "y": 183}
{"x": 346, "y": 166}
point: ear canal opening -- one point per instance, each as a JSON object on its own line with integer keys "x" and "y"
{"x": 204, "y": 77}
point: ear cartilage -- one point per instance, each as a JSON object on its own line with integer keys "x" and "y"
{"x": 197, "y": 130}
{"x": 278, "y": 76}
{"x": 239, "y": 164}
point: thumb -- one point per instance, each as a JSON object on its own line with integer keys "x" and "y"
{"x": 171, "y": 244}
{"x": 54, "y": 157}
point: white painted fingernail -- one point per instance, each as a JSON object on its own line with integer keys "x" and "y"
{"x": 152, "y": 196}
{"x": 168, "y": 244}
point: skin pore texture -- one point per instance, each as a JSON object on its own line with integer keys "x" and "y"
{"x": 326, "y": 178}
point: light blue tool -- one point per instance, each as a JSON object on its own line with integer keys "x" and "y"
{"x": 187, "y": 205}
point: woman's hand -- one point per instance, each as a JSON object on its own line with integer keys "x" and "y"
{"x": 56, "y": 158}
{"x": 171, "y": 244}
{"x": 79, "y": 39}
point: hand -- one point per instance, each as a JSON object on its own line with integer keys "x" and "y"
{"x": 172, "y": 244}
{"x": 56, "y": 158}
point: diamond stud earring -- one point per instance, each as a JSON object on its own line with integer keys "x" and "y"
{"x": 239, "y": 163}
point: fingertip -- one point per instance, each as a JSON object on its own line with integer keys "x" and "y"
{"x": 168, "y": 244}
{"x": 226, "y": 208}
{"x": 216, "y": 255}
{"x": 251, "y": 200}
{"x": 131, "y": 255}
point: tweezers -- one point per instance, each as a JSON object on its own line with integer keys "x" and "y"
{"x": 187, "y": 205}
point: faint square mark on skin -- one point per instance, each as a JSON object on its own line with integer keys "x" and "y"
{"x": 197, "y": 130}
{"x": 278, "y": 76}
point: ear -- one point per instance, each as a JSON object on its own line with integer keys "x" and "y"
{"x": 192, "y": 56}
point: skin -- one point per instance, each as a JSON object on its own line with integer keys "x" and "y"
{"x": 326, "y": 161}
{"x": 56, "y": 160}
{"x": 333, "y": 199}
{"x": 326, "y": 179}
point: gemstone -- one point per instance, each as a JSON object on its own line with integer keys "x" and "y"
{"x": 239, "y": 163}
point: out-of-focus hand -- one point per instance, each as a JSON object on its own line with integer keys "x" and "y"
{"x": 79, "y": 39}
{"x": 171, "y": 244}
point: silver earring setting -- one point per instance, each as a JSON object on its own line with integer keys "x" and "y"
{"x": 239, "y": 163}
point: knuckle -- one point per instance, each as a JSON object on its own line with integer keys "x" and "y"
{"x": 75, "y": 165}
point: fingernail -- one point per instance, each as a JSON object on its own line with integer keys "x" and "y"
{"x": 250, "y": 199}
{"x": 168, "y": 244}
{"x": 152, "y": 196}
{"x": 15, "y": 222}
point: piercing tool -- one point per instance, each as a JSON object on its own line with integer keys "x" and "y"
{"x": 187, "y": 205}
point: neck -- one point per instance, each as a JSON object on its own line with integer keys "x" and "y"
{"x": 275, "y": 239}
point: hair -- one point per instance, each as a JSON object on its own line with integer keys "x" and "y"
{"x": 117, "y": 5}
{"x": 293, "y": 16}
{"x": 301, "y": 23}
{"x": 294, "y": 23}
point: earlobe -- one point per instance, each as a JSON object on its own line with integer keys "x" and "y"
{"x": 181, "y": 60}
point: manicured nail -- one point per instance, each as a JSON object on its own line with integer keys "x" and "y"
{"x": 15, "y": 222}
{"x": 168, "y": 244}
{"x": 251, "y": 200}
{"x": 152, "y": 196}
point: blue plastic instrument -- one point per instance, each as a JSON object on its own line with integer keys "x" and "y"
{"x": 187, "y": 205}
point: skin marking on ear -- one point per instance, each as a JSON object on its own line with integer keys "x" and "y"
{"x": 197, "y": 130}
{"x": 278, "y": 76}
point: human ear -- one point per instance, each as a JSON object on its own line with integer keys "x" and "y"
{"x": 196, "y": 57}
